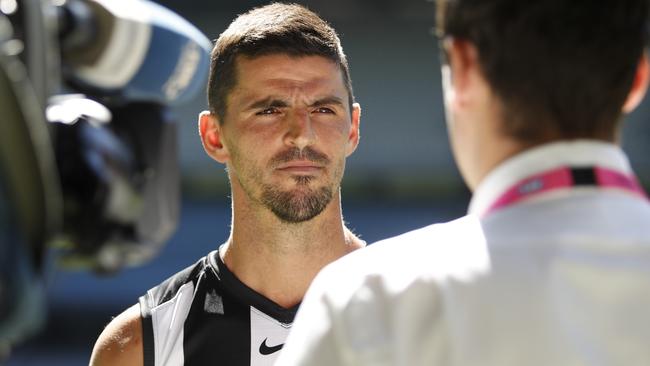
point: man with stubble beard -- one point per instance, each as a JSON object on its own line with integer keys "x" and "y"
{"x": 283, "y": 120}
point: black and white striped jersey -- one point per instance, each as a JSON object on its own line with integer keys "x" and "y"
{"x": 203, "y": 315}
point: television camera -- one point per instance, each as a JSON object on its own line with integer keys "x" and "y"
{"x": 88, "y": 157}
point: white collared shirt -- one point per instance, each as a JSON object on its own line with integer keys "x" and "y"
{"x": 561, "y": 278}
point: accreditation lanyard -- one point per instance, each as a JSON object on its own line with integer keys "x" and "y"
{"x": 563, "y": 178}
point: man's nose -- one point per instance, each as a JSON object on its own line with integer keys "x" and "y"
{"x": 300, "y": 132}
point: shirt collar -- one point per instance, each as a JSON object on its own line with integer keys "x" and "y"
{"x": 578, "y": 153}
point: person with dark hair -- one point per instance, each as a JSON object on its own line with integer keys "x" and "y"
{"x": 552, "y": 264}
{"x": 283, "y": 120}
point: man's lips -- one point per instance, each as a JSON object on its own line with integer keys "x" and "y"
{"x": 300, "y": 167}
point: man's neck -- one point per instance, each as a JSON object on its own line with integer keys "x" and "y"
{"x": 279, "y": 260}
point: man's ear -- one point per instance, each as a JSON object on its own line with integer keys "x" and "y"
{"x": 639, "y": 85}
{"x": 353, "y": 135}
{"x": 465, "y": 69}
{"x": 212, "y": 138}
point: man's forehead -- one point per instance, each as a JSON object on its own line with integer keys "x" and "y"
{"x": 292, "y": 69}
{"x": 292, "y": 86}
{"x": 288, "y": 75}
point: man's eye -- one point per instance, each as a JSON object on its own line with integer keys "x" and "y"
{"x": 268, "y": 111}
{"x": 324, "y": 110}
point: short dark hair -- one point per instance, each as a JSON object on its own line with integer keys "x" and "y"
{"x": 561, "y": 68}
{"x": 276, "y": 28}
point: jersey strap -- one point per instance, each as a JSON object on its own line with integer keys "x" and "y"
{"x": 564, "y": 178}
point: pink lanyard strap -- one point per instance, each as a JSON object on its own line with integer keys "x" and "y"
{"x": 566, "y": 177}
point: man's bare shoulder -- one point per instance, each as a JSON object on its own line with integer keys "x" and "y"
{"x": 121, "y": 341}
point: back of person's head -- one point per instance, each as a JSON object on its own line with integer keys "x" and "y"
{"x": 561, "y": 68}
{"x": 276, "y": 28}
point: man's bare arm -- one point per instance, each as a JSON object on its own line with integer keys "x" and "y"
{"x": 121, "y": 341}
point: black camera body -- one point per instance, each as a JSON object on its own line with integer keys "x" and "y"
{"x": 88, "y": 147}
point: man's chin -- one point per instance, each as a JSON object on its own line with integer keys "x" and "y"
{"x": 299, "y": 204}
{"x": 295, "y": 219}
{"x": 298, "y": 210}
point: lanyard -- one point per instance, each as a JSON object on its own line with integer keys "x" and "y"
{"x": 566, "y": 177}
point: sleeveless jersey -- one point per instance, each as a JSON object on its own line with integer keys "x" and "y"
{"x": 203, "y": 315}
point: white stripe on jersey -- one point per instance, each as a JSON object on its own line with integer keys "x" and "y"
{"x": 167, "y": 320}
{"x": 267, "y": 336}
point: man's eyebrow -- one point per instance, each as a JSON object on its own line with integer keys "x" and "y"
{"x": 267, "y": 102}
{"x": 327, "y": 101}
{"x": 279, "y": 103}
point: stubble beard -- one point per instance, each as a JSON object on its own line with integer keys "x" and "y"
{"x": 303, "y": 202}
{"x": 298, "y": 205}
